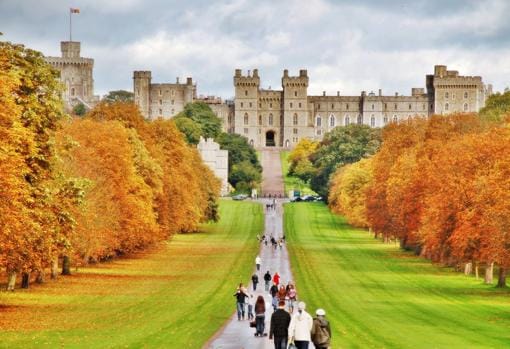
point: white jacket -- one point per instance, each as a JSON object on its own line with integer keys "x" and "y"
{"x": 258, "y": 260}
{"x": 301, "y": 326}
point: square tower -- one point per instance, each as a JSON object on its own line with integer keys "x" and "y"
{"x": 296, "y": 123}
{"x": 246, "y": 105}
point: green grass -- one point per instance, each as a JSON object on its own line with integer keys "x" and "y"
{"x": 379, "y": 297}
{"x": 291, "y": 182}
{"x": 175, "y": 297}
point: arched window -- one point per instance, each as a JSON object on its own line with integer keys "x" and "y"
{"x": 347, "y": 106}
{"x": 446, "y": 107}
{"x": 466, "y": 107}
{"x": 295, "y": 119}
{"x": 395, "y": 118}
{"x": 287, "y": 143}
{"x": 385, "y": 120}
{"x": 270, "y": 119}
{"x": 246, "y": 118}
{"x": 295, "y": 93}
{"x": 260, "y": 119}
{"x": 332, "y": 121}
{"x": 360, "y": 119}
{"x": 446, "y": 95}
{"x": 466, "y": 95}
{"x": 246, "y": 92}
{"x": 372, "y": 121}
{"x": 347, "y": 120}
{"x": 318, "y": 121}
{"x": 410, "y": 106}
{"x": 373, "y": 106}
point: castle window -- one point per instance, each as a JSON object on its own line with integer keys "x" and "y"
{"x": 245, "y": 131}
{"x": 385, "y": 106}
{"x": 260, "y": 105}
{"x": 246, "y": 92}
{"x": 465, "y": 95}
{"x": 160, "y": 102}
{"x": 241, "y": 104}
{"x": 466, "y": 108}
{"x": 260, "y": 119}
{"x": 172, "y": 102}
{"x": 300, "y": 105}
{"x": 173, "y": 93}
{"x": 372, "y": 121}
{"x": 291, "y": 104}
{"x": 410, "y": 106}
{"x": 295, "y": 131}
{"x": 373, "y": 106}
{"x": 446, "y": 106}
{"x": 295, "y": 119}
{"x": 385, "y": 120}
{"x": 72, "y": 91}
{"x": 446, "y": 95}
{"x": 250, "y": 104}
{"x": 295, "y": 93}
{"x": 395, "y": 118}
{"x": 347, "y": 120}
{"x": 319, "y": 132}
{"x": 332, "y": 121}
{"x": 332, "y": 106}
{"x": 318, "y": 106}
{"x": 246, "y": 118}
{"x": 159, "y": 92}
{"x": 453, "y": 95}
{"x": 270, "y": 105}
{"x": 360, "y": 119}
{"x": 347, "y": 106}
{"x": 318, "y": 121}
{"x": 161, "y": 112}
{"x": 395, "y": 106}
{"x": 270, "y": 119}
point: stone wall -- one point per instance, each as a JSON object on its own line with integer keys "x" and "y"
{"x": 216, "y": 159}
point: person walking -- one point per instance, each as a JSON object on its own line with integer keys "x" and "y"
{"x": 255, "y": 281}
{"x": 276, "y": 278}
{"x": 250, "y": 307}
{"x": 258, "y": 261}
{"x": 274, "y": 299}
{"x": 241, "y": 296}
{"x": 260, "y": 316}
{"x": 279, "y": 327}
{"x": 321, "y": 331}
{"x": 300, "y": 327}
{"x": 267, "y": 280}
{"x": 292, "y": 296}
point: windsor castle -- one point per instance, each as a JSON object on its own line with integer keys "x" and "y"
{"x": 280, "y": 118}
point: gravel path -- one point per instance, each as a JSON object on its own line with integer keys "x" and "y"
{"x": 272, "y": 179}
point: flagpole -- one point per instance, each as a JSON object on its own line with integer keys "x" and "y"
{"x": 70, "y": 25}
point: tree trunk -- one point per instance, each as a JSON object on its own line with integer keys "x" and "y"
{"x": 40, "y": 277}
{"x": 54, "y": 268}
{"x": 25, "y": 280}
{"x": 468, "y": 268}
{"x": 476, "y": 270}
{"x": 489, "y": 270}
{"x": 11, "y": 280}
{"x": 403, "y": 243}
{"x": 66, "y": 266}
{"x": 501, "y": 277}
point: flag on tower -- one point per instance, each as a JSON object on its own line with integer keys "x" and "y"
{"x": 75, "y": 10}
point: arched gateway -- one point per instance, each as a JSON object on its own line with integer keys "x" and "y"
{"x": 270, "y": 139}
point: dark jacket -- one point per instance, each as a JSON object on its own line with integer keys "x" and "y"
{"x": 273, "y": 290}
{"x": 267, "y": 276}
{"x": 255, "y": 278}
{"x": 241, "y": 296}
{"x": 260, "y": 308}
{"x": 321, "y": 332}
{"x": 280, "y": 321}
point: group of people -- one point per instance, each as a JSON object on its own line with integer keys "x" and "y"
{"x": 275, "y": 242}
{"x": 286, "y": 325}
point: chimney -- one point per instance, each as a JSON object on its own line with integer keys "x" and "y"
{"x": 324, "y": 93}
{"x": 238, "y": 73}
{"x": 380, "y": 92}
{"x": 396, "y": 94}
{"x": 338, "y": 93}
{"x": 285, "y": 73}
{"x": 255, "y": 73}
{"x": 189, "y": 81}
{"x": 177, "y": 80}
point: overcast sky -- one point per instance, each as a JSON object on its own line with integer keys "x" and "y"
{"x": 349, "y": 46}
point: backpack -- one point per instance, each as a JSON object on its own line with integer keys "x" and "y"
{"x": 321, "y": 336}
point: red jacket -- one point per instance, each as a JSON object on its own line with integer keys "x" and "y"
{"x": 276, "y": 279}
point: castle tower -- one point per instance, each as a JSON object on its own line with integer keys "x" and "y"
{"x": 141, "y": 88}
{"x": 296, "y": 121}
{"x": 75, "y": 74}
{"x": 246, "y": 105}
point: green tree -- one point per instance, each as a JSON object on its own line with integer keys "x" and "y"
{"x": 191, "y": 129}
{"x": 496, "y": 107}
{"x": 341, "y": 146}
{"x": 119, "y": 96}
{"x": 79, "y": 109}
{"x": 304, "y": 170}
{"x": 201, "y": 114}
{"x": 244, "y": 176}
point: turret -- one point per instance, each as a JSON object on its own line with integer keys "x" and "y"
{"x": 141, "y": 89}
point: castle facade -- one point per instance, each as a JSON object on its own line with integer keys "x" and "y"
{"x": 76, "y": 73}
{"x": 280, "y": 118}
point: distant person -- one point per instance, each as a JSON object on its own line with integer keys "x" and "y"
{"x": 250, "y": 307}
{"x": 258, "y": 261}
{"x": 292, "y": 296}
{"x": 300, "y": 327}
{"x": 274, "y": 299}
{"x": 276, "y": 278}
{"x": 321, "y": 331}
{"x": 255, "y": 281}
{"x": 267, "y": 280}
{"x": 241, "y": 296}
{"x": 279, "y": 328}
{"x": 260, "y": 316}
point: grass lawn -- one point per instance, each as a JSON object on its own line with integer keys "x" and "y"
{"x": 176, "y": 296}
{"x": 291, "y": 182}
{"x": 379, "y": 297}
